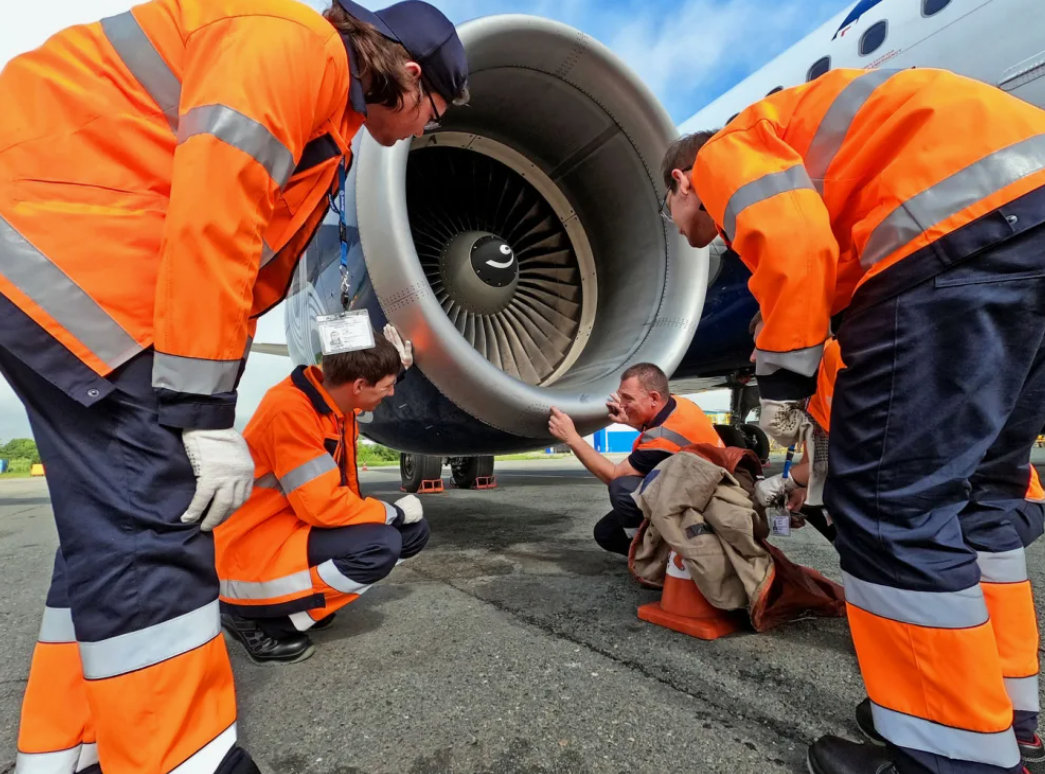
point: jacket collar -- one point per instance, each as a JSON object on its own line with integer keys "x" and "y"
{"x": 304, "y": 378}
{"x": 356, "y": 97}
{"x": 663, "y": 414}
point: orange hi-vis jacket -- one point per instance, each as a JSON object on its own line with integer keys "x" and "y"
{"x": 305, "y": 476}
{"x": 820, "y": 406}
{"x": 686, "y": 425}
{"x": 161, "y": 172}
{"x": 822, "y": 187}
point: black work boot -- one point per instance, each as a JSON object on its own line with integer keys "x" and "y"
{"x": 865, "y": 722}
{"x": 324, "y": 623}
{"x": 265, "y": 648}
{"x": 833, "y": 755}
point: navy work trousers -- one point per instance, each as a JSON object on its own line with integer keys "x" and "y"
{"x": 134, "y": 587}
{"x": 614, "y": 531}
{"x": 933, "y": 419}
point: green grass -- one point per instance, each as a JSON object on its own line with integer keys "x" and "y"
{"x": 14, "y": 474}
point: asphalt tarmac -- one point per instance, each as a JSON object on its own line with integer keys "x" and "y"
{"x": 509, "y": 646}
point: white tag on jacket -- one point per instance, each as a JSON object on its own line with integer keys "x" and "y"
{"x": 780, "y": 520}
{"x": 345, "y": 332}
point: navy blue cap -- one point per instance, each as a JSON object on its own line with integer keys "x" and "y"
{"x": 427, "y": 35}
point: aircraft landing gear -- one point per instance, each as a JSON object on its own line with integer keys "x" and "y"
{"x": 744, "y": 435}
{"x": 416, "y": 468}
{"x": 472, "y": 472}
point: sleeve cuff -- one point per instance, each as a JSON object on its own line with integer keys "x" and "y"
{"x": 786, "y": 385}
{"x": 198, "y": 412}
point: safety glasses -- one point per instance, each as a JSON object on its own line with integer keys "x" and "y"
{"x": 437, "y": 118}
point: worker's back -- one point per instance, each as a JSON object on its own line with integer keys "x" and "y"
{"x": 870, "y": 142}
{"x": 158, "y": 147}
{"x": 687, "y": 424}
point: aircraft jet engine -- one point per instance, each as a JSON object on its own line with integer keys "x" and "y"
{"x": 519, "y": 247}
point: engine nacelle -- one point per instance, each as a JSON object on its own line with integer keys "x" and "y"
{"x": 520, "y": 247}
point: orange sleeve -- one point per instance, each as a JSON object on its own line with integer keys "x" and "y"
{"x": 310, "y": 478}
{"x": 820, "y": 404}
{"x": 252, "y": 88}
{"x": 757, "y": 190}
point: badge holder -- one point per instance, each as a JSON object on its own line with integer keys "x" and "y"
{"x": 345, "y": 332}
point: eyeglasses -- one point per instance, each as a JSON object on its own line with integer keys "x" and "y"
{"x": 665, "y": 211}
{"x": 434, "y": 124}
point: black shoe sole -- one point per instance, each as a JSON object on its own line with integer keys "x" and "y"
{"x": 814, "y": 769}
{"x": 303, "y": 656}
{"x": 876, "y": 741}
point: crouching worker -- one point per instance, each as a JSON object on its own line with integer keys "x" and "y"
{"x": 307, "y": 543}
{"x": 666, "y": 424}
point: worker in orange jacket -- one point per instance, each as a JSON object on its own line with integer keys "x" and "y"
{"x": 912, "y": 205}
{"x": 307, "y": 543}
{"x": 666, "y": 423}
{"x": 161, "y": 172}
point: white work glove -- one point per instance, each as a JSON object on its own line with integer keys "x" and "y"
{"x": 224, "y": 474}
{"x": 411, "y": 508}
{"x": 774, "y": 488}
{"x": 784, "y": 421}
{"x": 406, "y": 349}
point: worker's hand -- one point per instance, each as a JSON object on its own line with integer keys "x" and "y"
{"x": 224, "y": 475}
{"x": 772, "y": 489}
{"x": 617, "y": 413}
{"x": 784, "y": 421}
{"x": 797, "y": 499}
{"x": 406, "y": 349}
{"x": 561, "y": 426}
{"x": 411, "y": 508}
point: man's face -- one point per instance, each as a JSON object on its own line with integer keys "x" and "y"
{"x": 362, "y": 396}
{"x": 686, "y": 212}
{"x": 421, "y": 108}
{"x": 640, "y": 406}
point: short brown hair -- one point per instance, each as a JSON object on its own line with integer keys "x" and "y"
{"x": 370, "y": 365}
{"x": 650, "y": 377}
{"x": 682, "y": 153}
{"x": 382, "y": 59}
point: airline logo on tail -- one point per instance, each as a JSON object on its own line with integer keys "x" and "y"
{"x": 854, "y": 16}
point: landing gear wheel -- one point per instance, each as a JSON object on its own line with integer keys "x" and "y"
{"x": 467, "y": 469}
{"x": 757, "y": 441}
{"x": 415, "y": 468}
{"x": 731, "y": 436}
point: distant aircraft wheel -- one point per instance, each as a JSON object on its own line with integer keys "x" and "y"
{"x": 731, "y": 436}
{"x": 415, "y": 468}
{"x": 757, "y": 441}
{"x": 467, "y": 469}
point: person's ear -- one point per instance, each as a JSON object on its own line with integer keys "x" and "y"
{"x": 682, "y": 184}
{"x": 413, "y": 69}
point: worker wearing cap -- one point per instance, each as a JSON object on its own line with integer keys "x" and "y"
{"x": 666, "y": 423}
{"x": 161, "y": 172}
{"x": 854, "y": 195}
{"x": 307, "y": 542}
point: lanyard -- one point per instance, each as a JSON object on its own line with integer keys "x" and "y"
{"x": 343, "y": 226}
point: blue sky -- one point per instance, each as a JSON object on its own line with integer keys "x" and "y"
{"x": 687, "y": 51}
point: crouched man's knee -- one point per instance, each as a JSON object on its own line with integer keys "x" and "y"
{"x": 415, "y": 537}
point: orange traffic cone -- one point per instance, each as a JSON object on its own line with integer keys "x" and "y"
{"x": 684, "y": 609}
{"x": 365, "y": 467}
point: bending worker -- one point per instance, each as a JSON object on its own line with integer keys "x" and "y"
{"x": 853, "y": 194}
{"x": 307, "y": 543}
{"x": 666, "y": 424}
{"x": 161, "y": 172}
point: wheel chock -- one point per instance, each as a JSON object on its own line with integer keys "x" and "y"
{"x": 486, "y": 482}
{"x": 431, "y": 486}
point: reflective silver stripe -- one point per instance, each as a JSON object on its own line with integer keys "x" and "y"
{"x": 662, "y": 432}
{"x": 88, "y": 756}
{"x": 267, "y": 254}
{"x": 800, "y": 361}
{"x": 151, "y": 645}
{"x": 271, "y": 589}
{"x": 1023, "y": 693}
{"x": 391, "y": 514}
{"x": 997, "y": 749}
{"x": 60, "y": 762}
{"x": 836, "y": 122}
{"x": 57, "y": 626}
{"x": 952, "y": 195}
{"x": 268, "y": 481}
{"x": 311, "y": 470}
{"x": 1005, "y": 567}
{"x": 331, "y": 576}
{"x": 933, "y": 609}
{"x": 766, "y": 187}
{"x": 209, "y": 757}
{"x": 145, "y": 63}
{"x": 235, "y": 129}
{"x": 52, "y": 290}
{"x": 194, "y": 375}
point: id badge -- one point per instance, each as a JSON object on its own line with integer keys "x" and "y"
{"x": 780, "y": 524}
{"x": 345, "y": 332}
